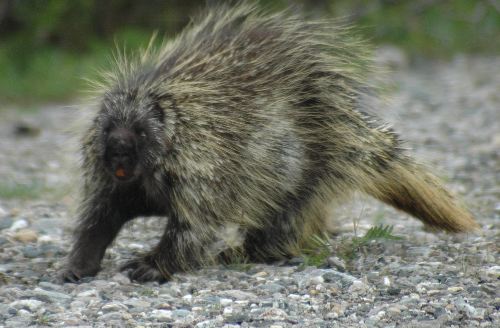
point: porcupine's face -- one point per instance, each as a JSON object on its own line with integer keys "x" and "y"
{"x": 131, "y": 135}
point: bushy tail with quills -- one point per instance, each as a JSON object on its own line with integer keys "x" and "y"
{"x": 410, "y": 187}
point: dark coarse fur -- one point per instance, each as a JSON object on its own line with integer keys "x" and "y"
{"x": 248, "y": 119}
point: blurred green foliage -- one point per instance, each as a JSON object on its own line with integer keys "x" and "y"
{"x": 48, "y": 46}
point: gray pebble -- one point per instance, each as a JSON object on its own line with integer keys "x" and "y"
{"x": 181, "y": 313}
{"x": 272, "y": 287}
{"x": 50, "y": 296}
{"x": 5, "y": 222}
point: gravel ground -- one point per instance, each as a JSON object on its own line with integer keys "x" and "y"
{"x": 450, "y": 115}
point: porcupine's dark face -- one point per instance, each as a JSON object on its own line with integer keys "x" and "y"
{"x": 131, "y": 134}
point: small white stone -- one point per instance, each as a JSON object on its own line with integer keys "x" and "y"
{"x": 113, "y": 307}
{"x": 225, "y": 301}
{"x": 455, "y": 289}
{"x": 317, "y": 280}
{"x": 88, "y": 293}
{"x": 187, "y": 298}
{"x": 379, "y": 315}
{"x": 45, "y": 239}
{"x": 358, "y": 286}
{"x": 18, "y": 225}
{"x": 227, "y": 310}
{"x": 32, "y": 305}
{"x": 24, "y": 313}
{"x": 387, "y": 281}
{"x": 162, "y": 315}
{"x": 433, "y": 292}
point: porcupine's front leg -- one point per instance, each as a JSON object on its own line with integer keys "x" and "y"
{"x": 97, "y": 228}
{"x": 181, "y": 248}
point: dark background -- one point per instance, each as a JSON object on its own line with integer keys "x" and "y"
{"x": 47, "y": 47}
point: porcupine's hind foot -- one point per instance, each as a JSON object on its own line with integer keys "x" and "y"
{"x": 143, "y": 269}
{"x": 276, "y": 242}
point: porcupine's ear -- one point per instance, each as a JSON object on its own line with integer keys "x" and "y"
{"x": 157, "y": 109}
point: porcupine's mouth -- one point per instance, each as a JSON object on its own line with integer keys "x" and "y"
{"x": 122, "y": 168}
{"x": 124, "y": 172}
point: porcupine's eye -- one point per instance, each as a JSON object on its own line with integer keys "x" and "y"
{"x": 106, "y": 130}
{"x": 141, "y": 132}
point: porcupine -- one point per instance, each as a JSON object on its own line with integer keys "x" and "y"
{"x": 245, "y": 118}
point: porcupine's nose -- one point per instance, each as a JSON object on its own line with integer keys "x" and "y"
{"x": 121, "y": 144}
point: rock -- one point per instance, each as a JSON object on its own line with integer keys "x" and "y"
{"x": 45, "y": 239}
{"x": 236, "y": 318}
{"x": 24, "y": 313}
{"x": 162, "y": 315}
{"x": 273, "y": 314}
{"x": 188, "y": 298}
{"x": 18, "y": 225}
{"x": 394, "y": 310}
{"x": 227, "y": 311}
{"x": 30, "y": 304}
{"x": 31, "y": 251}
{"x": 344, "y": 278}
{"x": 317, "y": 280}
{"x": 88, "y": 293}
{"x": 5, "y": 222}
{"x": 114, "y": 307}
{"x": 493, "y": 271}
{"x": 455, "y": 289}
{"x": 48, "y": 226}
{"x": 387, "y": 281}
{"x": 393, "y": 291}
{"x": 26, "y": 236}
{"x": 238, "y": 294}
{"x": 137, "y": 303}
{"x": 107, "y": 317}
{"x": 358, "y": 286}
{"x": 272, "y": 287}
{"x": 489, "y": 288}
{"x": 181, "y": 313}
{"x": 468, "y": 309}
{"x": 225, "y": 301}
{"x": 336, "y": 263}
{"x": 50, "y": 296}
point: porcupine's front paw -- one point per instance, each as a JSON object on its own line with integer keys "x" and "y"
{"x": 73, "y": 273}
{"x": 143, "y": 269}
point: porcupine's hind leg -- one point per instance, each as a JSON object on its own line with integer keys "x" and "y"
{"x": 286, "y": 233}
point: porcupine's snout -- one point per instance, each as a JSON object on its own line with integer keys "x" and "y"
{"x": 121, "y": 154}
